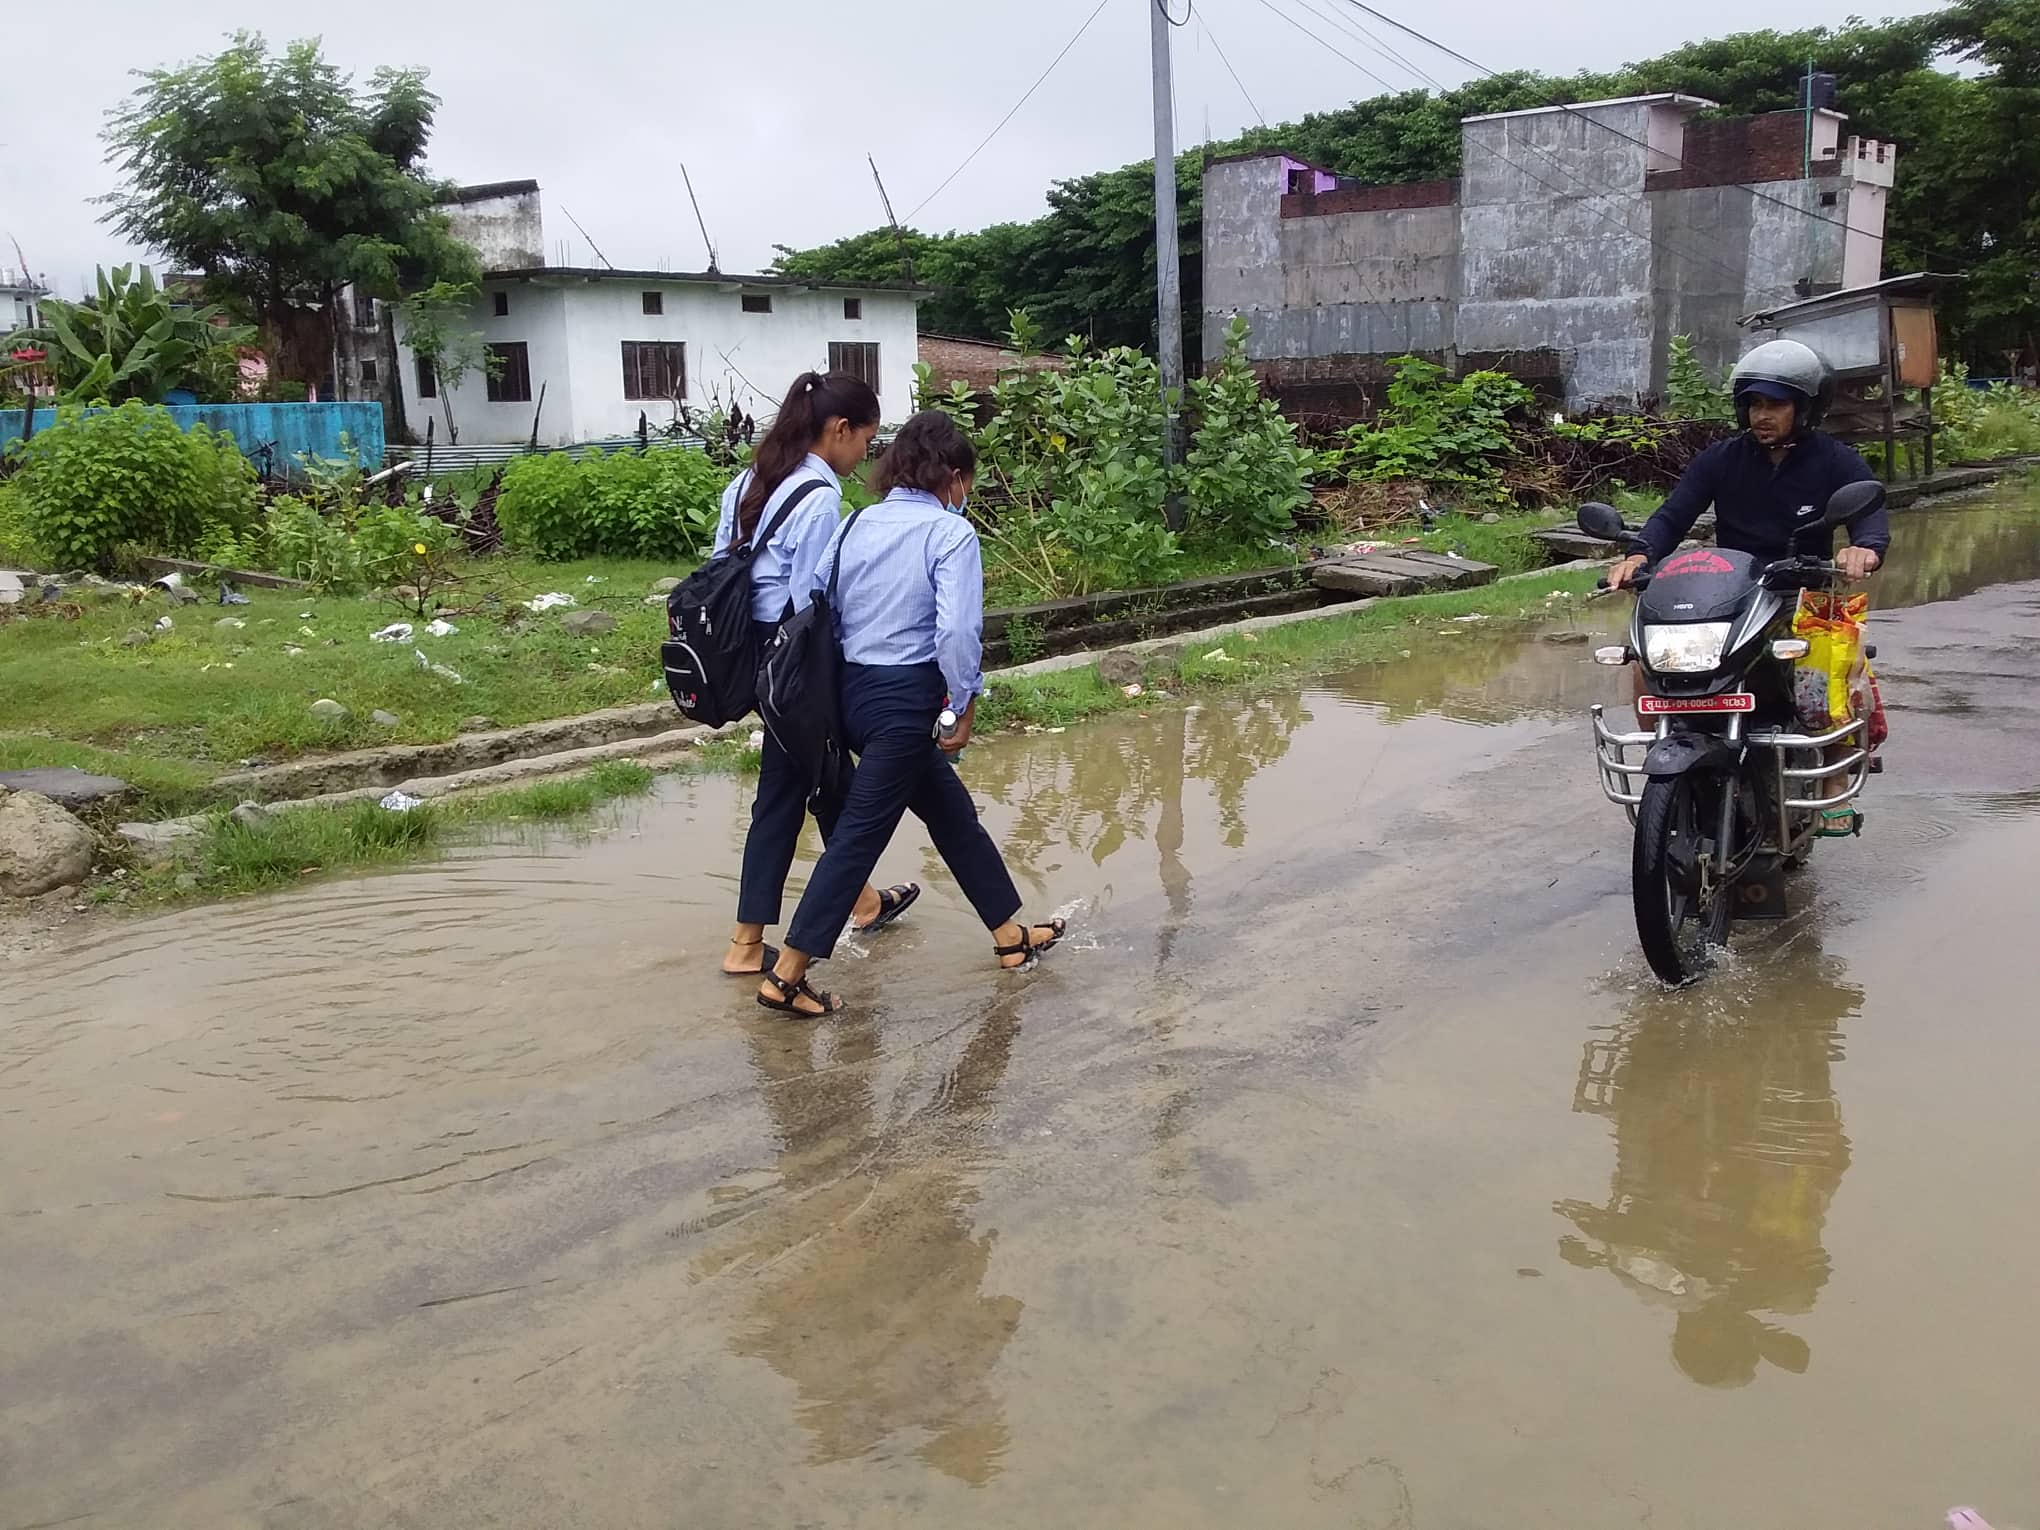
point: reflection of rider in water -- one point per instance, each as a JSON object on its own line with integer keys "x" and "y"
{"x": 1728, "y": 1148}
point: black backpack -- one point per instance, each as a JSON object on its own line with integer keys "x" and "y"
{"x": 800, "y": 688}
{"x": 711, "y": 651}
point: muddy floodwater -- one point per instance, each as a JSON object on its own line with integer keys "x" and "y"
{"x": 1344, "y": 1169}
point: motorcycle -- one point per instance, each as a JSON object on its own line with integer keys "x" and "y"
{"x": 1724, "y": 793}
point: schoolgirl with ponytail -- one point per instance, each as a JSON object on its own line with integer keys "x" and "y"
{"x": 823, "y": 429}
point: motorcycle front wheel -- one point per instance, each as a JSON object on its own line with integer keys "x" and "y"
{"x": 1676, "y": 921}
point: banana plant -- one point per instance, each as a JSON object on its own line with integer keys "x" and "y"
{"x": 127, "y": 341}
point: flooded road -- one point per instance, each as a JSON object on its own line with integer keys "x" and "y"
{"x": 1346, "y": 1169}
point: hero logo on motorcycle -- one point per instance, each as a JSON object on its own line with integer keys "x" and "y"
{"x": 1660, "y": 706}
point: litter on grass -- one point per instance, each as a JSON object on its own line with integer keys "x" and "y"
{"x": 395, "y": 632}
{"x": 401, "y": 802}
{"x": 550, "y": 601}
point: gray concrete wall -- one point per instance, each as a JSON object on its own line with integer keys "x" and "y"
{"x": 507, "y": 231}
{"x": 1359, "y": 283}
{"x": 1242, "y": 251}
{"x": 1555, "y": 248}
{"x": 1703, "y": 274}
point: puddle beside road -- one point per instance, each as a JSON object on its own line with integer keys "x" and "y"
{"x": 1345, "y": 1169}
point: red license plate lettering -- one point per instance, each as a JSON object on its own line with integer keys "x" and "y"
{"x": 1660, "y": 706}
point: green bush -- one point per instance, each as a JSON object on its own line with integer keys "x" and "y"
{"x": 1689, "y": 393}
{"x": 393, "y": 542}
{"x": 303, "y": 544}
{"x": 662, "y": 504}
{"x": 1247, "y": 474}
{"x": 18, "y": 546}
{"x": 1977, "y": 424}
{"x": 1437, "y": 430}
{"x": 93, "y": 481}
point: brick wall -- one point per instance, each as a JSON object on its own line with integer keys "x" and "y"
{"x": 1348, "y": 199}
{"x": 1736, "y": 150}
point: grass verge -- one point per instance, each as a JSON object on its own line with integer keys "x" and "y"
{"x": 1276, "y": 654}
{"x": 228, "y": 859}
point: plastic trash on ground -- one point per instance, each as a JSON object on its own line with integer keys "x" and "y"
{"x": 452, "y": 677}
{"x": 395, "y": 632}
{"x": 401, "y": 802}
{"x": 1218, "y": 656}
{"x": 439, "y": 626}
{"x": 550, "y": 601}
{"x": 232, "y": 597}
{"x": 164, "y": 624}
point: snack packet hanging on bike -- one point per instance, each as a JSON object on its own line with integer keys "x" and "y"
{"x": 1834, "y": 665}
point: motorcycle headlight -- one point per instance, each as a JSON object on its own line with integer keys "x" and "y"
{"x": 1689, "y": 648}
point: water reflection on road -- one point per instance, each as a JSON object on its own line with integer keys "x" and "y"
{"x": 469, "y": 1196}
{"x": 1728, "y": 1149}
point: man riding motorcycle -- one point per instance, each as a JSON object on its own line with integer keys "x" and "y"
{"x": 1773, "y": 478}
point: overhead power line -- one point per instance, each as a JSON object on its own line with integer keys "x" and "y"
{"x": 1024, "y": 99}
{"x": 1587, "y": 190}
{"x": 1574, "y": 111}
{"x": 1267, "y": 5}
{"x": 1205, "y": 27}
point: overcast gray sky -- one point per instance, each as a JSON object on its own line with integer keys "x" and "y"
{"x": 773, "y": 105}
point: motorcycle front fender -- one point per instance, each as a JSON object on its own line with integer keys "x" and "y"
{"x": 1679, "y": 754}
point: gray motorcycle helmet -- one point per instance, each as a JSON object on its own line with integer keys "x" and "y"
{"x": 1784, "y": 369}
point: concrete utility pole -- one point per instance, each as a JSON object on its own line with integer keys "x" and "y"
{"x": 1168, "y": 269}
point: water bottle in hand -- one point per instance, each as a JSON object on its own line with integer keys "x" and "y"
{"x": 945, "y": 729}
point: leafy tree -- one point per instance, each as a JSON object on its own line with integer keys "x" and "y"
{"x": 131, "y": 342}
{"x": 282, "y": 181}
{"x": 439, "y": 328}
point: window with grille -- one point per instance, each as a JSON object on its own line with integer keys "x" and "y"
{"x": 757, "y": 302}
{"x": 853, "y": 308}
{"x": 368, "y": 372}
{"x": 364, "y": 310}
{"x": 857, "y": 357}
{"x": 428, "y": 380}
{"x": 502, "y": 305}
{"x": 654, "y": 369}
{"x": 655, "y": 302}
{"x": 509, "y": 372}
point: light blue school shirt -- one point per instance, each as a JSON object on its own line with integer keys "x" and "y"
{"x": 784, "y": 568}
{"x": 912, "y": 589}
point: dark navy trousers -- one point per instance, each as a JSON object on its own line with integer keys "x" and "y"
{"x": 889, "y": 716}
{"x": 777, "y": 813}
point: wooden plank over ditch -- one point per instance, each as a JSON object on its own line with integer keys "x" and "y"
{"x": 1403, "y": 572}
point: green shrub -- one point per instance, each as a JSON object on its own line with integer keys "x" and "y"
{"x": 1689, "y": 393}
{"x": 388, "y": 540}
{"x": 1438, "y": 430}
{"x": 93, "y": 481}
{"x": 1247, "y": 474}
{"x": 303, "y": 544}
{"x": 662, "y": 504}
{"x": 18, "y": 546}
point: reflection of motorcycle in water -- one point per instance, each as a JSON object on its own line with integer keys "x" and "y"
{"x": 1728, "y": 1148}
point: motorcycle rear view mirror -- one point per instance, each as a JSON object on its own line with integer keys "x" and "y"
{"x": 1852, "y": 501}
{"x": 1603, "y": 521}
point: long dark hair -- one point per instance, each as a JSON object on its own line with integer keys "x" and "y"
{"x": 927, "y": 452}
{"x": 812, "y": 401}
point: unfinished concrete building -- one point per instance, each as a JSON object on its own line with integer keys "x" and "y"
{"x": 1577, "y": 241}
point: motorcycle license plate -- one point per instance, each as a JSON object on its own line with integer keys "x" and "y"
{"x": 1662, "y": 706}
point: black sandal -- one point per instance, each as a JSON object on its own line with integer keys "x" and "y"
{"x": 1027, "y": 949}
{"x": 892, "y": 902}
{"x": 798, "y": 989}
{"x": 771, "y": 955}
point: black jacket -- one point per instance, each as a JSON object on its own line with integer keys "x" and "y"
{"x": 1757, "y": 506}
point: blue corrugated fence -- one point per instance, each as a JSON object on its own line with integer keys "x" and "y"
{"x": 278, "y": 430}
